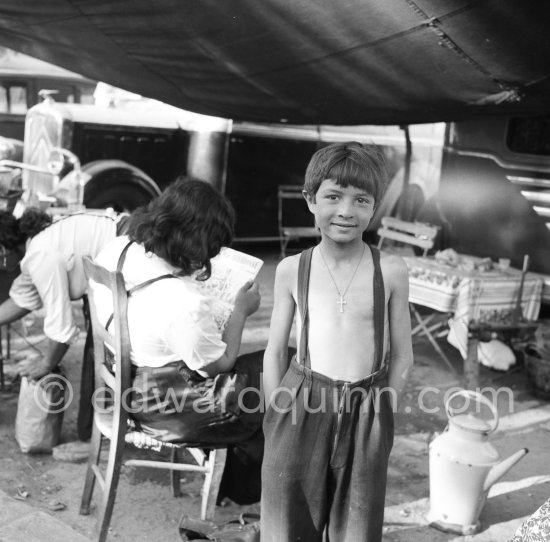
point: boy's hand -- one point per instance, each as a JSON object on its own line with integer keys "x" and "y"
{"x": 248, "y": 298}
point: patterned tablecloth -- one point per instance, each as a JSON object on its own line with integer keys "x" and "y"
{"x": 471, "y": 294}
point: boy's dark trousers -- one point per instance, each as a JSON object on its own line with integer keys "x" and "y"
{"x": 327, "y": 443}
{"x": 326, "y": 468}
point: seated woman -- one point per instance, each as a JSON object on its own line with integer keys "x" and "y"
{"x": 181, "y": 359}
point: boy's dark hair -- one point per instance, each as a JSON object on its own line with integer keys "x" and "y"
{"x": 351, "y": 163}
{"x": 186, "y": 225}
{"x": 15, "y": 231}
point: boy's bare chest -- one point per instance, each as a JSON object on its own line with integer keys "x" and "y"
{"x": 341, "y": 336}
{"x": 342, "y": 300}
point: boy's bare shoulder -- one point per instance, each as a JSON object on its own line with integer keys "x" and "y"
{"x": 287, "y": 269}
{"x": 394, "y": 269}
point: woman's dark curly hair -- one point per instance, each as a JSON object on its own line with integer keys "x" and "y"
{"x": 186, "y": 225}
{"x": 15, "y": 231}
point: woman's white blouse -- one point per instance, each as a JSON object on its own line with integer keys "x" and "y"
{"x": 168, "y": 320}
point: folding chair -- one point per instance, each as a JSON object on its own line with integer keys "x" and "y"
{"x": 423, "y": 236}
{"x": 291, "y": 233}
{"x": 112, "y": 422}
{"x": 409, "y": 233}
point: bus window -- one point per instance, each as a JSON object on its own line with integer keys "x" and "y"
{"x": 87, "y": 95}
{"x": 18, "y": 99}
{"x": 529, "y": 135}
{"x": 13, "y": 99}
{"x": 3, "y": 100}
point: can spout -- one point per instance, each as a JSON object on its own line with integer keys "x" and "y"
{"x": 498, "y": 471}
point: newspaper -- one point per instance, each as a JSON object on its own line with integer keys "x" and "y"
{"x": 231, "y": 269}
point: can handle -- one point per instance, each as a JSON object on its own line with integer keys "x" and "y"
{"x": 480, "y": 399}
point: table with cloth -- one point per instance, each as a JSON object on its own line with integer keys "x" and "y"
{"x": 468, "y": 292}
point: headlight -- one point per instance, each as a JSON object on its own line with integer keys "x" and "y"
{"x": 59, "y": 159}
{"x": 56, "y": 162}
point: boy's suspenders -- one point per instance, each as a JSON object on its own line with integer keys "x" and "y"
{"x": 120, "y": 263}
{"x": 379, "y": 298}
{"x": 304, "y": 268}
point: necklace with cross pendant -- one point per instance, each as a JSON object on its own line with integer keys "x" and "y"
{"x": 342, "y": 295}
{"x": 342, "y": 301}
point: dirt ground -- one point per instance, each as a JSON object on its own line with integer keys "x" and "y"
{"x": 144, "y": 507}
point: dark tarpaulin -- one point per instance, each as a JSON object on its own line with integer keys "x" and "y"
{"x": 301, "y": 61}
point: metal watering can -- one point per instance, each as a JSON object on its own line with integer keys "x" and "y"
{"x": 463, "y": 467}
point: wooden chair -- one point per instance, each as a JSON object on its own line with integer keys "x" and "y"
{"x": 112, "y": 422}
{"x": 292, "y": 233}
{"x": 423, "y": 236}
{"x": 409, "y": 233}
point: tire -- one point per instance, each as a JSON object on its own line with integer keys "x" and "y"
{"x": 120, "y": 189}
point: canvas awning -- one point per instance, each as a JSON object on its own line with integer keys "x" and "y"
{"x": 301, "y": 61}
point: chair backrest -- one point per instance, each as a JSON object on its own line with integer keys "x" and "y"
{"x": 111, "y": 348}
{"x": 290, "y": 191}
{"x": 411, "y": 233}
{"x": 286, "y": 192}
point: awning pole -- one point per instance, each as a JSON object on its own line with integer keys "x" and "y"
{"x": 403, "y": 210}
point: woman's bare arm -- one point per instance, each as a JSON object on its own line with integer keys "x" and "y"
{"x": 246, "y": 303}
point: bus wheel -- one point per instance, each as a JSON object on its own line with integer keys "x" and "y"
{"x": 124, "y": 197}
{"x": 117, "y": 184}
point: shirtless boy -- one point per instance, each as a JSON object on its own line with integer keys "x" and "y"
{"x": 329, "y": 421}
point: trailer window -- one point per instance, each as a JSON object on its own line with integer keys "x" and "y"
{"x": 529, "y": 135}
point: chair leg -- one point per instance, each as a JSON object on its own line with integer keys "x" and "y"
{"x": 284, "y": 244}
{"x": 419, "y": 328}
{"x": 212, "y": 480}
{"x": 1, "y": 362}
{"x": 112, "y": 475}
{"x": 471, "y": 365}
{"x": 175, "y": 475}
{"x": 8, "y": 341}
{"x": 89, "y": 484}
{"x": 428, "y": 334}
